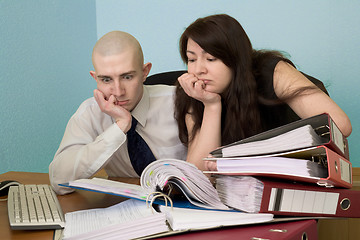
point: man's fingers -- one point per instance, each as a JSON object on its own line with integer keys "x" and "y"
{"x": 99, "y": 97}
{"x": 104, "y": 104}
{"x": 112, "y": 99}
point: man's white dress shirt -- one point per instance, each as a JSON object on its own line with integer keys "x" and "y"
{"x": 92, "y": 140}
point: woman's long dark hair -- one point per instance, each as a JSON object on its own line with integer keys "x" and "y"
{"x": 224, "y": 38}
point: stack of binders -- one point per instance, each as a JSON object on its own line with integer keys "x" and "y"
{"x": 300, "y": 169}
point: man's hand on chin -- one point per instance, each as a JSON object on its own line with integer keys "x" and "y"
{"x": 108, "y": 106}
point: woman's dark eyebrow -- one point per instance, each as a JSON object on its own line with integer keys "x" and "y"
{"x": 191, "y": 52}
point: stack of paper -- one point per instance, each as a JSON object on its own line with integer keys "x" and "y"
{"x": 133, "y": 219}
{"x": 240, "y": 192}
{"x": 268, "y": 195}
{"x": 126, "y": 220}
{"x": 271, "y": 165}
{"x": 301, "y": 137}
{"x": 193, "y": 219}
{"x": 308, "y": 150}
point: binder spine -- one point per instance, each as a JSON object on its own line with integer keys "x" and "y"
{"x": 339, "y": 168}
{"x": 302, "y": 202}
{"x": 334, "y": 138}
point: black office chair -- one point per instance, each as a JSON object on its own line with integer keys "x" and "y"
{"x": 167, "y": 78}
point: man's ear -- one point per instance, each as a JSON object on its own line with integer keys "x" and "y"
{"x": 146, "y": 70}
{"x": 93, "y": 74}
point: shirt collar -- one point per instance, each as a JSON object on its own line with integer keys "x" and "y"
{"x": 141, "y": 110}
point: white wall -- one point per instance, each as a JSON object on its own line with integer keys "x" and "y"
{"x": 322, "y": 37}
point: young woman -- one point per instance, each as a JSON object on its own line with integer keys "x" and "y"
{"x": 232, "y": 91}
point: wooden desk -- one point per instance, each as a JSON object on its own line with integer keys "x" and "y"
{"x": 329, "y": 229}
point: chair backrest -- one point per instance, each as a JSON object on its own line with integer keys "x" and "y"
{"x": 167, "y": 78}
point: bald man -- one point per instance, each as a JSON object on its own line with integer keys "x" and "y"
{"x": 96, "y": 135}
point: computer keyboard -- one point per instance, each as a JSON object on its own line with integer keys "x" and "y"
{"x": 34, "y": 207}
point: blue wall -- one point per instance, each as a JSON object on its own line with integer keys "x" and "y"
{"x": 45, "y": 60}
{"x": 45, "y": 56}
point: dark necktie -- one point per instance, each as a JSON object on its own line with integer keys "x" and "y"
{"x": 139, "y": 152}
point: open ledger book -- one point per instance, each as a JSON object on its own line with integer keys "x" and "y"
{"x": 159, "y": 181}
{"x": 134, "y": 219}
{"x": 126, "y": 220}
{"x": 200, "y": 209}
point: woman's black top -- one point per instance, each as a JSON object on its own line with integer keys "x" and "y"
{"x": 274, "y": 114}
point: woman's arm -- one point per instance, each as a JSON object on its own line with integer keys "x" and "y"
{"x": 311, "y": 102}
{"x": 208, "y": 137}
